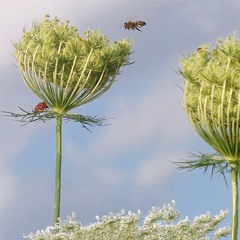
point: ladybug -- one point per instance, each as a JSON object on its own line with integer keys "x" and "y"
{"x": 40, "y": 107}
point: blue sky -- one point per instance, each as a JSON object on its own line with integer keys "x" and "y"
{"x": 128, "y": 163}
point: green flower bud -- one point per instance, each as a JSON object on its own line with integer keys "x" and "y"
{"x": 66, "y": 69}
{"x": 212, "y": 94}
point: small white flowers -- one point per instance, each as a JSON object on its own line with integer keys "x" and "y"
{"x": 159, "y": 224}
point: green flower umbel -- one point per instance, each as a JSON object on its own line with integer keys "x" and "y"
{"x": 65, "y": 69}
{"x": 212, "y": 95}
{"x": 212, "y": 102}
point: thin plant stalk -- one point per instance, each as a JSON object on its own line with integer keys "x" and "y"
{"x": 58, "y": 168}
{"x": 235, "y": 201}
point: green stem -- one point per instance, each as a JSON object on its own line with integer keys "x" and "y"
{"x": 235, "y": 201}
{"x": 58, "y": 167}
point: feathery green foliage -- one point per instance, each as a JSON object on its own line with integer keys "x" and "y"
{"x": 214, "y": 163}
{"x": 26, "y": 117}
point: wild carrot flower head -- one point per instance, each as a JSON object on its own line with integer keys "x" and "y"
{"x": 212, "y": 94}
{"x": 66, "y": 69}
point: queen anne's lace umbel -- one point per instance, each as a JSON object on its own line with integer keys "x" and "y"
{"x": 159, "y": 224}
{"x": 212, "y": 94}
{"x": 66, "y": 69}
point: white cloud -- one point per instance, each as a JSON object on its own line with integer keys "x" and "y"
{"x": 155, "y": 171}
{"x": 15, "y": 140}
{"x": 109, "y": 175}
{"x": 8, "y": 187}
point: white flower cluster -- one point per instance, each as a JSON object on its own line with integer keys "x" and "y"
{"x": 159, "y": 224}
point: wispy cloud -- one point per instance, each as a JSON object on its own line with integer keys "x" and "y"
{"x": 156, "y": 170}
{"x": 109, "y": 176}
